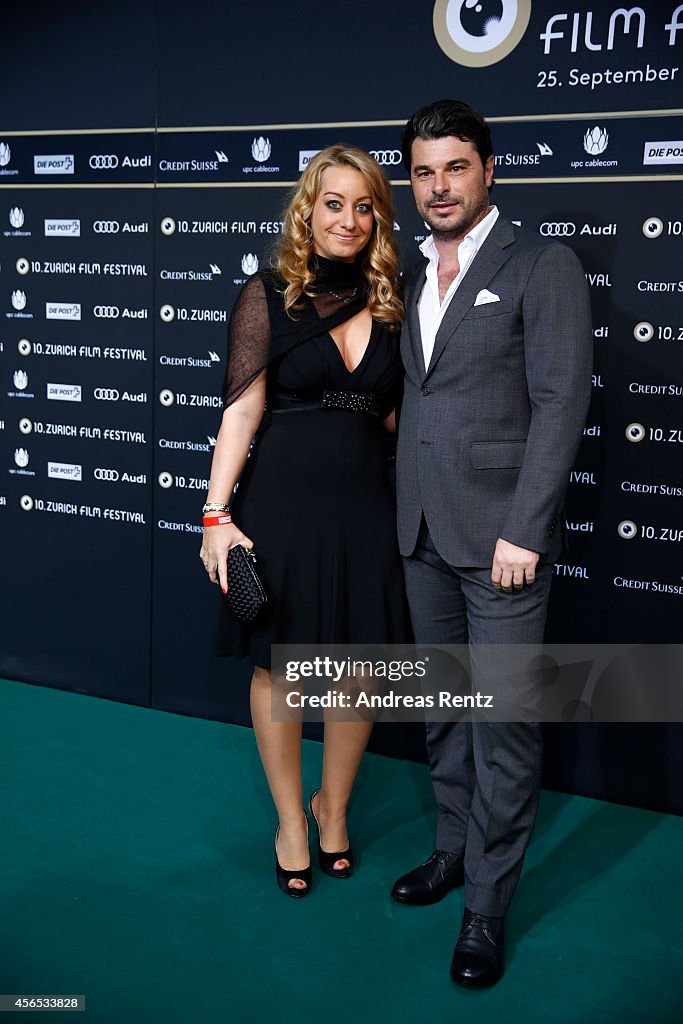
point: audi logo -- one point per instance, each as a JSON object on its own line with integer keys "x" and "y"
{"x": 99, "y": 162}
{"x": 106, "y": 227}
{"x": 106, "y": 394}
{"x": 557, "y": 229}
{"x": 387, "y": 157}
{"x": 106, "y": 474}
{"x": 106, "y": 312}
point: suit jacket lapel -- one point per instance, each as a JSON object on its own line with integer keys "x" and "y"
{"x": 493, "y": 253}
{"x": 412, "y": 337}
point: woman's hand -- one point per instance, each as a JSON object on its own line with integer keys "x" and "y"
{"x": 215, "y": 547}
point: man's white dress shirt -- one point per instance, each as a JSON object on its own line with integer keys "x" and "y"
{"x": 430, "y": 309}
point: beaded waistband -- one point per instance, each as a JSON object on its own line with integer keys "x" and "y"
{"x": 351, "y": 401}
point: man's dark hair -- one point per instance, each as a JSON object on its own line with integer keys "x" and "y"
{"x": 447, "y": 117}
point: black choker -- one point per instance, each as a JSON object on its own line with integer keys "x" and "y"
{"x": 334, "y": 276}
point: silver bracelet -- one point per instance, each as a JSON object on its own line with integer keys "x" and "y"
{"x": 215, "y": 506}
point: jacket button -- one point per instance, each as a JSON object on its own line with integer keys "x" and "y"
{"x": 426, "y": 391}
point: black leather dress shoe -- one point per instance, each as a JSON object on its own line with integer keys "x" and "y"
{"x": 430, "y": 882}
{"x": 479, "y": 955}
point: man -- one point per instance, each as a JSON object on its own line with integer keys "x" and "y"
{"x": 497, "y": 347}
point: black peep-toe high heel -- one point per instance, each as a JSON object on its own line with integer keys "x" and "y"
{"x": 284, "y": 877}
{"x": 328, "y": 860}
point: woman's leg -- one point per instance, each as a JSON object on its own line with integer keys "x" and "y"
{"x": 345, "y": 744}
{"x": 279, "y": 744}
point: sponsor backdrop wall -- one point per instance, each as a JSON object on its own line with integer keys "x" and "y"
{"x": 145, "y": 154}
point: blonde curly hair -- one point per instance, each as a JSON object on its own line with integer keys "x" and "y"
{"x": 380, "y": 263}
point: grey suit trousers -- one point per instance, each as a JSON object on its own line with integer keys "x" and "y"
{"x": 486, "y": 775}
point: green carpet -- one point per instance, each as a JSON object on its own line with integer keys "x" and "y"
{"x": 137, "y": 868}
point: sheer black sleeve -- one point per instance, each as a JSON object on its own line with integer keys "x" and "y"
{"x": 260, "y": 330}
{"x": 249, "y": 339}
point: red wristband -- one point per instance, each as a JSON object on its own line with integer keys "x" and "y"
{"x": 217, "y": 520}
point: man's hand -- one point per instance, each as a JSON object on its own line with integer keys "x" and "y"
{"x": 512, "y": 566}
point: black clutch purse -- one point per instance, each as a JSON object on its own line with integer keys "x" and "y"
{"x": 245, "y": 597}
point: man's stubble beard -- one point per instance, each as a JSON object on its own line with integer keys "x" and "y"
{"x": 461, "y": 227}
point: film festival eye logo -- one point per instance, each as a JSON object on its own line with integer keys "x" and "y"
{"x": 595, "y": 141}
{"x": 16, "y": 217}
{"x": 478, "y": 33}
{"x": 644, "y": 332}
{"x": 653, "y": 227}
{"x": 249, "y": 264}
{"x": 18, "y": 299}
{"x": 261, "y": 150}
{"x": 5, "y": 154}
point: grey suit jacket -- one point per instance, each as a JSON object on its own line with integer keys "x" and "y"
{"x": 489, "y": 431}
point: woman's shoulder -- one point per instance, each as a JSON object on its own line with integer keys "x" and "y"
{"x": 260, "y": 289}
{"x": 271, "y": 280}
{"x": 265, "y": 280}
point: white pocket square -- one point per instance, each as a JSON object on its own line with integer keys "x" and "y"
{"x": 486, "y": 296}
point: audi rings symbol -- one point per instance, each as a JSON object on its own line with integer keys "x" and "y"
{"x": 106, "y": 227}
{"x": 106, "y": 474}
{"x": 101, "y": 162}
{"x": 106, "y": 394}
{"x": 106, "y": 312}
{"x": 387, "y": 157}
{"x": 557, "y": 229}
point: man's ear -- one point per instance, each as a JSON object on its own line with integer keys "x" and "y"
{"x": 488, "y": 171}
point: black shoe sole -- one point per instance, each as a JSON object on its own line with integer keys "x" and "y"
{"x": 473, "y": 983}
{"x": 426, "y": 901}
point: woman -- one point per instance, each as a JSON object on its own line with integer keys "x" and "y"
{"x": 316, "y": 342}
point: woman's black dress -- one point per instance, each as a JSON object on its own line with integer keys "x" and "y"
{"x": 316, "y": 500}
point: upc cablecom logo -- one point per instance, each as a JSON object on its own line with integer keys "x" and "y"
{"x": 477, "y": 33}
